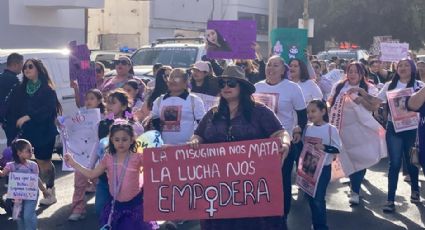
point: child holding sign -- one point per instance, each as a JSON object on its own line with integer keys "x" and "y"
{"x": 331, "y": 144}
{"x": 122, "y": 165}
{"x": 93, "y": 100}
{"x": 25, "y": 202}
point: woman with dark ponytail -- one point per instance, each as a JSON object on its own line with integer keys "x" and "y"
{"x": 356, "y": 89}
{"x": 400, "y": 143}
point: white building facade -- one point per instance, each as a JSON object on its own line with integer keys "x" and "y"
{"x": 133, "y": 23}
{"x": 44, "y": 23}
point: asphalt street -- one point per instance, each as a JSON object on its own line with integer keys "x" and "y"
{"x": 368, "y": 215}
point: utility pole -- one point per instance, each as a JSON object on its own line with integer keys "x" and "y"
{"x": 305, "y": 14}
{"x": 272, "y": 20}
{"x": 306, "y": 20}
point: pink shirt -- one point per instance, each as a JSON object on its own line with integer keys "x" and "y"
{"x": 130, "y": 185}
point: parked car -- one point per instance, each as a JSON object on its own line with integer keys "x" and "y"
{"x": 355, "y": 54}
{"x": 421, "y": 57}
{"x": 57, "y": 63}
{"x": 175, "y": 52}
{"x": 107, "y": 57}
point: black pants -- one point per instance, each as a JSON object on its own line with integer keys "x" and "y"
{"x": 288, "y": 165}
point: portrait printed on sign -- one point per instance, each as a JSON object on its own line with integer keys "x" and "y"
{"x": 402, "y": 118}
{"x": 171, "y": 117}
{"x": 231, "y": 39}
{"x": 216, "y": 41}
{"x": 310, "y": 166}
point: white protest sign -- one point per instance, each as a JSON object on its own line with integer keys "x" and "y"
{"x": 393, "y": 52}
{"x": 79, "y": 135}
{"x": 23, "y": 186}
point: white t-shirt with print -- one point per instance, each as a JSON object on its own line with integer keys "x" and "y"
{"x": 383, "y": 93}
{"x": 310, "y": 91}
{"x": 178, "y": 117}
{"x": 371, "y": 89}
{"x": 289, "y": 97}
{"x": 324, "y": 132}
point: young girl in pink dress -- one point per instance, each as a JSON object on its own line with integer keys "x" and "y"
{"x": 122, "y": 165}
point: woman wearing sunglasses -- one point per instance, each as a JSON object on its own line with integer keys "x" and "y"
{"x": 124, "y": 69}
{"x": 176, "y": 113}
{"x": 32, "y": 113}
{"x": 286, "y": 99}
{"x": 238, "y": 118}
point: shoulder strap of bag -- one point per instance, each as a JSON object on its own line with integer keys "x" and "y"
{"x": 192, "y": 101}
{"x": 158, "y": 104}
{"x": 330, "y": 134}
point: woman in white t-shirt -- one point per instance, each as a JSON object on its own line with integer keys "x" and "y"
{"x": 400, "y": 143}
{"x": 176, "y": 113}
{"x": 299, "y": 74}
{"x": 286, "y": 99}
{"x": 363, "y": 94}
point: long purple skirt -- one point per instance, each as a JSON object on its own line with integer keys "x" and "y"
{"x": 127, "y": 215}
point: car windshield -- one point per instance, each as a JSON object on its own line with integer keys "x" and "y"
{"x": 174, "y": 56}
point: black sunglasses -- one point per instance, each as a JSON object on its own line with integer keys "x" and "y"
{"x": 242, "y": 65}
{"x": 122, "y": 62}
{"x": 98, "y": 70}
{"x": 29, "y": 66}
{"x": 232, "y": 83}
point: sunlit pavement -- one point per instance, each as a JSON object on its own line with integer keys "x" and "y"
{"x": 367, "y": 215}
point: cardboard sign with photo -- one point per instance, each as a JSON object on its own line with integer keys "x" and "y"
{"x": 231, "y": 39}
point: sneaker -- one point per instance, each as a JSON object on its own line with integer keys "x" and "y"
{"x": 51, "y": 199}
{"x": 76, "y": 217}
{"x": 354, "y": 198}
{"x": 389, "y": 207}
{"x": 415, "y": 197}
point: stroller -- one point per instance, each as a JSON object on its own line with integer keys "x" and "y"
{"x": 6, "y": 204}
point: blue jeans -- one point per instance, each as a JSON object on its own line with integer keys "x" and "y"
{"x": 399, "y": 146}
{"x": 102, "y": 195}
{"x": 318, "y": 203}
{"x": 356, "y": 180}
{"x": 28, "y": 220}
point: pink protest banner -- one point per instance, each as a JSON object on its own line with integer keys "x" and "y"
{"x": 268, "y": 99}
{"x": 310, "y": 166}
{"x": 337, "y": 112}
{"x": 402, "y": 118}
{"x": 215, "y": 181}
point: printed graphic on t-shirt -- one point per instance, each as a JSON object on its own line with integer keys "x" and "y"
{"x": 268, "y": 99}
{"x": 171, "y": 118}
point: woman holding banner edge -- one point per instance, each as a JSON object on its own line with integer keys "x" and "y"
{"x": 238, "y": 117}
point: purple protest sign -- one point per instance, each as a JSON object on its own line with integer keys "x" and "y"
{"x": 231, "y": 39}
{"x": 80, "y": 69}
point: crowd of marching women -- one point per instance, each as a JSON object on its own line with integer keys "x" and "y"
{"x": 361, "y": 111}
